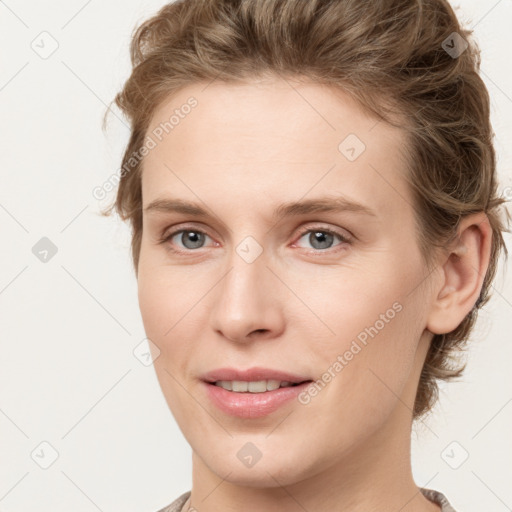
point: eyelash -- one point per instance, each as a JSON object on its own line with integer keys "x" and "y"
{"x": 343, "y": 239}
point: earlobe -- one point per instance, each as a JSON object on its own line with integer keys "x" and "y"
{"x": 463, "y": 270}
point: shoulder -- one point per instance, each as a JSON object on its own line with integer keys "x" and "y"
{"x": 439, "y": 499}
{"x": 177, "y": 504}
{"x": 435, "y": 496}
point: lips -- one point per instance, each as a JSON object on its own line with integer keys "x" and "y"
{"x": 253, "y": 374}
{"x": 249, "y": 406}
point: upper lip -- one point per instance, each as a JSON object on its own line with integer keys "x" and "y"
{"x": 252, "y": 374}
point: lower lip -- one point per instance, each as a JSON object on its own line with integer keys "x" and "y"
{"x": 252, "y": 405}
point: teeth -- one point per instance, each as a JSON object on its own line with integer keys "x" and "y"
{"x": 260, "y": 386}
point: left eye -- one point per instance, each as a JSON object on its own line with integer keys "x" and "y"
{"x": 322, "y": 238}
{"x": 191, "y": 239}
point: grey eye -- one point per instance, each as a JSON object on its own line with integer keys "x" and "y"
{"x": 191, "y": 239}
{"x": 320, "y": 239}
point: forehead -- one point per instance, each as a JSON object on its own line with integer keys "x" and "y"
{"x": 272, "y": 139}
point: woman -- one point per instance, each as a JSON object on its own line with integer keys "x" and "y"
{"x": 313, "y": 198}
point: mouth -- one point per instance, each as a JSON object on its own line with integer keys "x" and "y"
{"x": 253, "y": 392}
{"x": 254, "y": 399}
{"x": 256, "y": 386}
{"x": 254, "y": 376}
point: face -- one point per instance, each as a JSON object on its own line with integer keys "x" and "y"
{"x": 331, "y": 290}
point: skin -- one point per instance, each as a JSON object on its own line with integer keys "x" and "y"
{"x": 244, "y": 150}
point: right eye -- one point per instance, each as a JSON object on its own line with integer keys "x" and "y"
{"x": 189, "y": 238}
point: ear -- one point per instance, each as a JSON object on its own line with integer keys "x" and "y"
{"x": 463, "y": 268}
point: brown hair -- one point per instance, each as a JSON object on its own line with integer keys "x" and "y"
{"x": 394, "y": 57}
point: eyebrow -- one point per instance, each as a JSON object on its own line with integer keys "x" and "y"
{"x": 293, "y": 208}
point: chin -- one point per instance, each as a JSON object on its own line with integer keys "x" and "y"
{"x": 267, "y": 472}
{"x": 264, "y": 477}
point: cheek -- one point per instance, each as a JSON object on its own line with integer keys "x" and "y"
{"x": 165, "y": 295}
{"x": 163, "y": 312}
{"x": 361, "y": 373}
{"x": 371, "y": 325}
{"x": 153, "y": 300}
{"x": 174, "y": 304}
{"x": 349, "y": 300}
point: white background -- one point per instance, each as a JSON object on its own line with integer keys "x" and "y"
{"x": 68, "y": 327}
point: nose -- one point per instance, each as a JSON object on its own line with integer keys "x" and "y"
{"x": 248, "y": 302}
